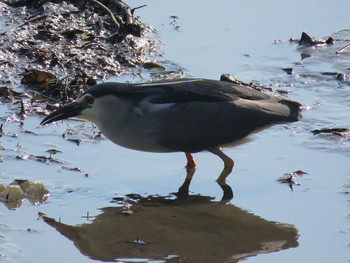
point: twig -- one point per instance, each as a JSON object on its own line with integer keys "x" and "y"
{"x": 342, "y": 48}
{"x": 109, "y": 12}
{"x": 23, "y": 111}
{"x": 133, "y": 9}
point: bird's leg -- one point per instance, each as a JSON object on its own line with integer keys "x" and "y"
{"x": 228, "y": 166}
{"x": 190, "y": 169}
{"x": 191, "y": 164}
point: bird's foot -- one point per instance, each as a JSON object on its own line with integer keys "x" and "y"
{"x": 228, "y": 193}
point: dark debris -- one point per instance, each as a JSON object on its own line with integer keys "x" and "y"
{"x": 258, "y": 87}
{"x": 342, "y": 132}
{"x": 308, "y": 40}
{"x": 64, "y": 46}
{"x": 75, "y": 169}
{"x": 291, "y": 178}
{"x": 39, "y": 158}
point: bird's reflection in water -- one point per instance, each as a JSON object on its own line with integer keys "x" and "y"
{"x": 196, "y": 229}
{"x": 183, "y": 191}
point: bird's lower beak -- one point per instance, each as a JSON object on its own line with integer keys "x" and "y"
{"x": 71, "y": 110}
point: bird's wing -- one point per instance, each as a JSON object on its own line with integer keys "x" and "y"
{"x": 197, "y": 126}
{"x": 190, "y": 90}
{"x": 178, "y": 91}
{"x": 272, "y": 108}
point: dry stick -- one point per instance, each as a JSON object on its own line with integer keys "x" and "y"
{"x": 133, "y": 9}
{"x": 23, "y": 111}
{"x": 343, "y": 48}
{"x": 109, "y": 12}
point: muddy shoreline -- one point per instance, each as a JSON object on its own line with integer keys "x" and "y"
{"x": 59, "y": 48}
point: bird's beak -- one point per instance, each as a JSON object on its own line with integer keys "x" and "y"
{"x": 71, "y": 110}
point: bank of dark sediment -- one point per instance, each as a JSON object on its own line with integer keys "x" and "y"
{"x": 75, "y": 41}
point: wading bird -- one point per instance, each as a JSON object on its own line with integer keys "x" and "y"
{"x": 180, "y": 115}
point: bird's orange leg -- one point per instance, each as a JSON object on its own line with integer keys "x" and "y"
{"x": 191, "y": 164}
{"x": 190, "y": 169}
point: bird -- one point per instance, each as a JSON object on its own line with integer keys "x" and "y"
{"x": 187, "y": 115}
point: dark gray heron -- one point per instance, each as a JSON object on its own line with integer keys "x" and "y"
{"x": 180, "y": 115}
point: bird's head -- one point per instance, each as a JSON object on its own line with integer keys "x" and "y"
{"x": 101, "y": 104}
{"x": 84, "y": 108}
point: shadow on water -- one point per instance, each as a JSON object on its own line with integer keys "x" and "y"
{"x": 171, "y": 230}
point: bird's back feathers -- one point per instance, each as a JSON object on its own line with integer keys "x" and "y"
{"x": 174, "y": 91}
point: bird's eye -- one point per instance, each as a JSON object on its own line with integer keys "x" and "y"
{"x": 89, "y": 100}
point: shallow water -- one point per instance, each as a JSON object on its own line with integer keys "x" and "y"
{"x": 231, "y": 37}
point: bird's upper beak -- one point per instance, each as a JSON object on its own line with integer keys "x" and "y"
{"x": 71, "y": 110}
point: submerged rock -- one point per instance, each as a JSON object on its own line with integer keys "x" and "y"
{"x": 13, "y": 195}
{"x": 308, "y": 40}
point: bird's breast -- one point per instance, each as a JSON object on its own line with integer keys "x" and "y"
{"x": 136, "y": 129}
